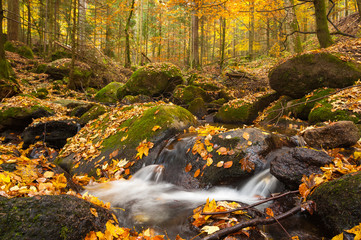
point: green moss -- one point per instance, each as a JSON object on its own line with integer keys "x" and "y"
{"x": 41, "y": 93}
{"x": 277, "y": 110}
{"x": 141, "y": 128}
{"x": 60, "y": 54}
{"x": 323, "y": 111}
{"x": 64, "y": 232}
{"x": 108, "y": 94}
{"x": 92, "y": 113}
{"x": 238, "y": 112}
{"x": 307, "y": 103}
{"x": 26, "y": 52}
{"x": 5, "y": 69}
{"x": 9, "y": 46}
{"x": 186, "y": 94}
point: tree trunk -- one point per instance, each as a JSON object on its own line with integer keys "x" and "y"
{"x": 71, "y": 83}
{"x": 28, "y": 36}
{"x": 358, "y": 2}
{"x": 13, "y": 20}
{"x": 4, "y": 66}
{"x": 322, "y": 31}
{"x": 223, "y": 42}
{"x": 251, "y": 31}
{"x": 82, "y": 23}
{"x": 297, "y": 44}
{"x": 195, "y": 40}
{"x": 127, "y": 37}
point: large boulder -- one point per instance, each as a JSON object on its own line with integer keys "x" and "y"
{"x": 53, "y": 132}
{"x": 93, "y": 113}
{"x": 61, "y": 68}
{"x": 50, "y": 217}
{"x": 118, "y": 133}
{"x": 303, "y": 73}
{"x": 290, "y": 164}
{"x": 153, "y": 79}
{"x": 186, "y": 94}
{"x": 108, "y": 94}
{"x": 246, "y": 109}
{"x": 18, "y": 112}
{"x": 338, "y": 203}
{"x": 334, "y": 135}
{"x": 19, "y": 48}
{"x": 221, "y": 159}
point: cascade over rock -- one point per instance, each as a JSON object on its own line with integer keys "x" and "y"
{"x": 118, "y": 133}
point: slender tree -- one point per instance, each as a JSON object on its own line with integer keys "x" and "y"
{"x": 128, "y": 62}
{"x": 13, "y": 20}
{"x": 4, "y": 66}
{"x": 322, "y": 31}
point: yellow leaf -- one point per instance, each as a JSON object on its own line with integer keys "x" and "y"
{"x": 124, "y": 138}
{"x": 246, "y": 135}
{"x": 143, "y": 149}
{"x": 5, "y": 178}
{"x": 338, "y": 237}
{"x": 155, "y": 128}
{"x": 48, "y": 174}
{"x": 209, "y": 161}
{"x": 94, "y": 212}
{"x": 210, "y": 229}
{"x": 357, "y": 231}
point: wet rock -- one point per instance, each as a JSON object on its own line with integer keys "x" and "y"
{"x": 186, "y": 94}
{"x": 198, "y": 108}
{"x": 289, "y": 164}
{"x": 108, "y": 94}
{"x": 118, "y": 133}
{"x": 92, "y": 113}
{"x": 338, "y": 134}
{"x": 50, "y": 217}
{"x": 129, "y": 99}
{"x": 153, "y": 79}
{"x": 56, "y": 132}
{"x": 234, "y": 156}
{"x": 338, "y": 203}
{"x": 304, "y": 73}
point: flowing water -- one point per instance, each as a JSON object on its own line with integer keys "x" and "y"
{"x": 147, "y": 200}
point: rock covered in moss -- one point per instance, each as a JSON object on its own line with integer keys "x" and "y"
{"x": 244, "y": 110}
{"x": 50, "y": 217}
{"x": 338, "y": 203}
{"x": 153, "y": 79}
{"x": 20, "y": 48}
{"x": 60, "y": 68}
{"x": 118, "y": 134}
{"x": 290, "y": 164}
{"x": 41, "y": 93}
{"x": 8, "y": 88}
{"x": 18, "y": 112}
{"x": 334, "y": 135}
{"x": 93, "y": 113}
{"x": 108, "y": 94}
{"x": 129, "y": 99}
{"x": 343, "y": 105}
{"x": 186, "y": 94}
{"x": 303, "y": 73}
{"x": 198, "y": 108}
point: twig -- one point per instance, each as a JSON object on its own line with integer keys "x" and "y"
{"x": 252, "y": 205}
{"x": 258, "y": 221}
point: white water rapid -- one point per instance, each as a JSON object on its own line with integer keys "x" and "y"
{"x": 149, "y": 201}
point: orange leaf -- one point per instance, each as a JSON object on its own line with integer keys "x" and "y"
{"x": 196, "y": 174}
{"x": 188, "y": 167}
{"x": 220, "y": 164}
{"x": 94, "y": 212}
{"x": 127, "y": 171}
{"x": 222, "y": 151}
{"x": 155, "y": 128}
{"x": 269, "y": 212}
{"x": 228, "y": 164}
{"x": 246, "y": 135}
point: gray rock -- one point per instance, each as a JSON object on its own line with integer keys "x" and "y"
{"x": 338, "y": 134}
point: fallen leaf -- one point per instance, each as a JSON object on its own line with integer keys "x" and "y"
{"x": 196, "y": 174}
{"x": 188, "y": 167}
{"x": 155, "y": 128}
{"x": 220, "y": 164}
{"x": 48, "y": 174}
{"x": 210, "y": 229}
{"x": 228, "y": 164}
{"x": 94, "y": 212}
{"x": 245, "y": 135}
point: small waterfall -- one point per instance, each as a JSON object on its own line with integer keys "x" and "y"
{"x": 148, "y": 201}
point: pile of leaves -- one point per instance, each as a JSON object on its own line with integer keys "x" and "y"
{"x": 209, "y": 224}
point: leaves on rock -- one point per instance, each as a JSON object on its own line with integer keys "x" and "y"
{"x": 143, "y": 148}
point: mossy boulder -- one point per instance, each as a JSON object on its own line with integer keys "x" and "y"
{"x": 93, "y": 113}
{"x": 186, "y": 94}
{"x": 198, "y": 108}
{"x": 41, "y": 93}
{"x": 59, "y": 54}
{"x": 8, "y": 88}
{"x": 153, "y": 79}
{"x": 338, "y": 203}
{"x": 18, "y": 112}
{"x": 118, "y": 133}
{"x": 108, "y": 94}
{"x": 61, "y": 68}
{"x": 130, "y": 99}
{"x": 325, "y": 111}
{"x": 304, "y": 105}
{"x": 244, "y": 110}
{"x": 50, "y": 217}
{"x": 303, "y": 73}
{"x": 20, "y": 48}
{"x": 274, "y": 111}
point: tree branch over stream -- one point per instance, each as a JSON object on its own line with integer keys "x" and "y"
{"x": 254, "y": 222}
